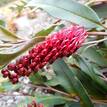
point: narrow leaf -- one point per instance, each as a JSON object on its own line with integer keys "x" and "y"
{"x": 36, "y": 78}
{"x": 51, "y": 100}
{"x": 6, "y": 35}
{"x": 90, "y": 70}
{"x": 46, "y": 32}
{"x": 94, "y": 56}
{"x": 69, "y": 10}
{"x": 101, "y": 10}
{"x": 78, "y": 87}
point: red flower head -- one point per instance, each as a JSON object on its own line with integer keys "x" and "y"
{"x": 57, "y": 45}
{"x": 34, "y": 104}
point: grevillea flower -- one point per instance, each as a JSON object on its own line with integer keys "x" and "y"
{"x": 34, "y": 104}
{"x": 57, "y": 45}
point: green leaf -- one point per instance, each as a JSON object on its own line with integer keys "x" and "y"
{"x": 61, "y": 77}
{"x": 72, "y": 104}
{"x": 36, "y": 78}
{"x": 51, "y": 100}
{"x": 95, "y": 90}
{"x": 5, "y": 57}
{"x": 25, "y": 101}
{"x": 69, "y": 10}
{"x": 46, "y": 32}
{"x": 101, "y": 10}
{"x": 94, "y": 56}
{"x": 2, "y": 22}
{"x": 2, "y": 90}
{"x": 75, "y": 83}
{"x": 8, "y": 86}
{"x": 54, "y": 81}
{"x": 91, "y": 71}
{"x": 6, "y": 35}
{"x": 48, "y": 100}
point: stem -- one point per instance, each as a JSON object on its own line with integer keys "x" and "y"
{"x": 94, "y": 1}
{"x": 95, "y": 42}
{"x": 57, "y": 21}
{"x": 63, "y": 93}
{"x": 98, "y": 33}
{"x": 90, "y": 2}
{"x": 99, "y": 101}
{"x": 52, "y": 89}
{"x": 103, "y": 26}
{"x": 55, "y": 90}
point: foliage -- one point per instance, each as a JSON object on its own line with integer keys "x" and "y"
{"x": 79, "y": 80}
{"x": 69, "y": 10}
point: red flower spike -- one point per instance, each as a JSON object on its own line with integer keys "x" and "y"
{"x": 34, "y": 104}
{"x": 57, "y": 45}
{"x": 11, "y": 67}
{"x": 14, "y": 80}
{"x": 5, "y": 75}
{"x": 41, "y": 105}
{"x": 29, "y": 105}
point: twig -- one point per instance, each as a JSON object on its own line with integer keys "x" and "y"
{"x": 99, "y": 101}
{"x": 47, "y": 88}
{"x": 94, "y": 1}
{"x": 89, "y": 46}
{"x": 65, "y": 94}
{"x": 54, "y": 90}
{"x": 94, "y": 42}
{"x": 98, "y": 33}
{"x": 57, "y": 21}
